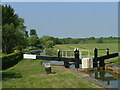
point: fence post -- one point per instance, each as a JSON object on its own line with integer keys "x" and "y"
{"x": 76, "y": 54}
{"x": 58, "y": 53}
{"x": 107, "y": 50}
{"x": 95, "y": 52}
{"x": 95, "y": 63}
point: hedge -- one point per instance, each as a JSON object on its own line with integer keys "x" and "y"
{"x": 10, "y": 60}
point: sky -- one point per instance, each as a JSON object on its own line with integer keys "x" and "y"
{"x": 69, "y": 19}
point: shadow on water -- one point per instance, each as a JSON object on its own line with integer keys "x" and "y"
{"x": 11, "y": 74}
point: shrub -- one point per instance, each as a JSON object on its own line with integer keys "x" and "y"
{"x": 10, "y": 60}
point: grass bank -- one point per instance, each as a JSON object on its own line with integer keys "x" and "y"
{"x": 30, "y": 74}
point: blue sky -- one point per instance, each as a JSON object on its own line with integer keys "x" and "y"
{"x": 69, "y": 19}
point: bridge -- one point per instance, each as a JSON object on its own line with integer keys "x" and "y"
{"x": 76, "y": 57}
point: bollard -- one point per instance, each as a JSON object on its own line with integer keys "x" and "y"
{"x": 76, "y": 54}
{"x": 66, "y": 64}
{"x": 95, "y": 64}
{"x": 58, "y": 53}
{"x": 48, "y": 68}
{"x": 107, "y": 50}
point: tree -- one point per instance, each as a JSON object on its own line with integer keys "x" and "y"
{"x": 49, "y": 44}
{"x": 26, "y": 34}
{"x": 13, "y": 30}
{"x": 33, "y": 40}
{"x": 100, "y": 40}
{"x": 0, "y": 37}
{"x": 91, "y": 38}
{"x": 32, "y": 32}
{"x": 47, "y": 41}
{"x": 8, "y": 38}
{"x": 8, "y": 16}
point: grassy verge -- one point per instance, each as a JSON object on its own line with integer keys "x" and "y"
{"x": 30, "y": 74}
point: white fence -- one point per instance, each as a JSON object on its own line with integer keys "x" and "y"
{"x": 66, "y": 52}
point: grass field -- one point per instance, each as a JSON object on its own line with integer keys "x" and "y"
{"x": 30, "y": 74}
{"x": 113, "y": 47}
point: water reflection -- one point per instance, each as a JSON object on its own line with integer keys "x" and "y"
{"x": 106, "y": 76}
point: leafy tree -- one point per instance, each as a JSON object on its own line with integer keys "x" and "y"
{"x": 8, "y": 16}
{"x": 26, "y": 34}
{"x": 47, "y": 41}
{"x": 8, "y": 38}
{"x": 33, "y": 40}
{"x": 0, "y": 37}
{"x": 57, "y": 41}
{"x": 91, "y": 38}
{"x": 32, "y": 32}
{"x": 13, "y": 30}
{"x": 49, "y": 44}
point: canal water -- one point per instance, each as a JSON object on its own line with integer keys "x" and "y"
{"x": 106, "y": 76}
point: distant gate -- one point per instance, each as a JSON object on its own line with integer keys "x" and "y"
{"x": 70, "y": 53}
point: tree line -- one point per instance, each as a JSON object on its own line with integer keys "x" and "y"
{"x": 16, "y": 37}
{"x": 50, "y": 41}
{"x": 89, "y": 40}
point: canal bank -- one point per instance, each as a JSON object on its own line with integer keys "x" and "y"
{"x": 31, "y": 74}
{"x": 103, "y": 78}
{"x": 80, "y": 74}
